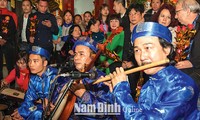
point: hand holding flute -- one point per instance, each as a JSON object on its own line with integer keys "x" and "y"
{"x": 147, "y": 66}
{"x": 120, "y": 75}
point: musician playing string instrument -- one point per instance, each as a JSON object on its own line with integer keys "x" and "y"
{"x": 85, "y": 51}
{"x": 20, "y": 73}
{"x": 38, "y": 86}
{"x": 169, "y": 94}
{"x": 112, "y": 48}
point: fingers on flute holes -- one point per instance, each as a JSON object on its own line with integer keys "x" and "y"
{"x": 114, "y": 73}
{"x": 117, "y": 69}
{"x": 121, "y": 69}
{"x": 111, "y": 75}
{"x": 101, "y": 76}
{"x": 106, "y": 83}
{"x": 109, "y": 82}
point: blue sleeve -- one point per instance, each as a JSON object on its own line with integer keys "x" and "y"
{"x": 28, "y": 105}
{"x": 98, "y": 93}
{"x": 171, "y": 106}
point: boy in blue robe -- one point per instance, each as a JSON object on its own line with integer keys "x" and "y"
{"x": 39, "y": 85}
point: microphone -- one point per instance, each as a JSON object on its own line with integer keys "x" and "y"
{"x": 62, "y": 65}
{"x": 76, "y": 75}
{"x": 59, "y": 65}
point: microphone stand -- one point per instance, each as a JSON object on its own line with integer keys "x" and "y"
{"x": 61, "y": 98}
{"x": 54, "y": 81}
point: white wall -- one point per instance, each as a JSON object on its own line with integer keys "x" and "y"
{"x": 80, "y": 6}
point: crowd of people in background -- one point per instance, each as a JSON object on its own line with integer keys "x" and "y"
{"x": 128, "y": 38}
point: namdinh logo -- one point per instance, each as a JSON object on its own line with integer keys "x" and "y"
{"x": 102, "y": 108}
{"x": 97, "y": 109}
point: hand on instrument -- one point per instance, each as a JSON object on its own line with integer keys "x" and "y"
{"x": 3, "y": 83}
{"x": 52, "y": 107}
{"x": 45, "y": 105}
{"x": 118, "y": 76}
{"x": 109, "y": 84}
{"x": 16, "y": 115}
{"x": 78, "y": 89}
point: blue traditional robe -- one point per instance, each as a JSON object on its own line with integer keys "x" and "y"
{"x": 168, "y": 95}
{"x": 98, "y": 93}
{"x": 38, "y": 89}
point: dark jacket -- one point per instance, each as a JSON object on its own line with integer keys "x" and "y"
{"x": 127, "y": 49}
{"x": 10, "y": 35}
{"x": 44, "y": 34}
{"x": 148, "y": 15}
{"x": 20, "y": 27}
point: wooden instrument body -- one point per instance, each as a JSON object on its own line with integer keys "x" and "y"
{"x": 10, "y": 99}
{"x": 70, "y": 99}
{"x": 66, "y": 106}
{"x": 12, "y": 93}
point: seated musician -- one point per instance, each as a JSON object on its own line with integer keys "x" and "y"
{"x": 38, "y": 86}
{"x": 20, "y": 73}
{"x": 85, "y": 50}
{"x": 169, "y": 94}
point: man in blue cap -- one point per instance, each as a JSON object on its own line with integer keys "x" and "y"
{"x": 39, "y": 85}
{"x": 93, "y": 95}
{"x": 169, "y": 94}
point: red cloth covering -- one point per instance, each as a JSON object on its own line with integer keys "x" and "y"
{"x": 5, "y": 11}
{"x": 23, "y": 79}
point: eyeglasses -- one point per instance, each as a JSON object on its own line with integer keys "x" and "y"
{"x": 178, "y": 10}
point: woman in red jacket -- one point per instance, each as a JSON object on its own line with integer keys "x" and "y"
{"x": 20, "y": 73}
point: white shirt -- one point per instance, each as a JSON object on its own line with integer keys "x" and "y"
{"x": 23, "y": 34}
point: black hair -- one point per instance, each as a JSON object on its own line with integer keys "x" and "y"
{"x": 172, "y": 53}
{"x": 88, "y": 12}
{"x": 71, "y": 29}
{"x": 114, "y": 16}
{"x": 160, "y": 1}
{"x": 137, "y": 7}
{"x": 43, "y": 0}
{"x": 77, "y": 15}
{"x": 123, "y": 2}
{"x": 68, "y": 11}
{"x": 90, "y": 23}
{"x": 104, "y": 5}
{"x": 29, "y": 2}
{"x": 24, "y": 56}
